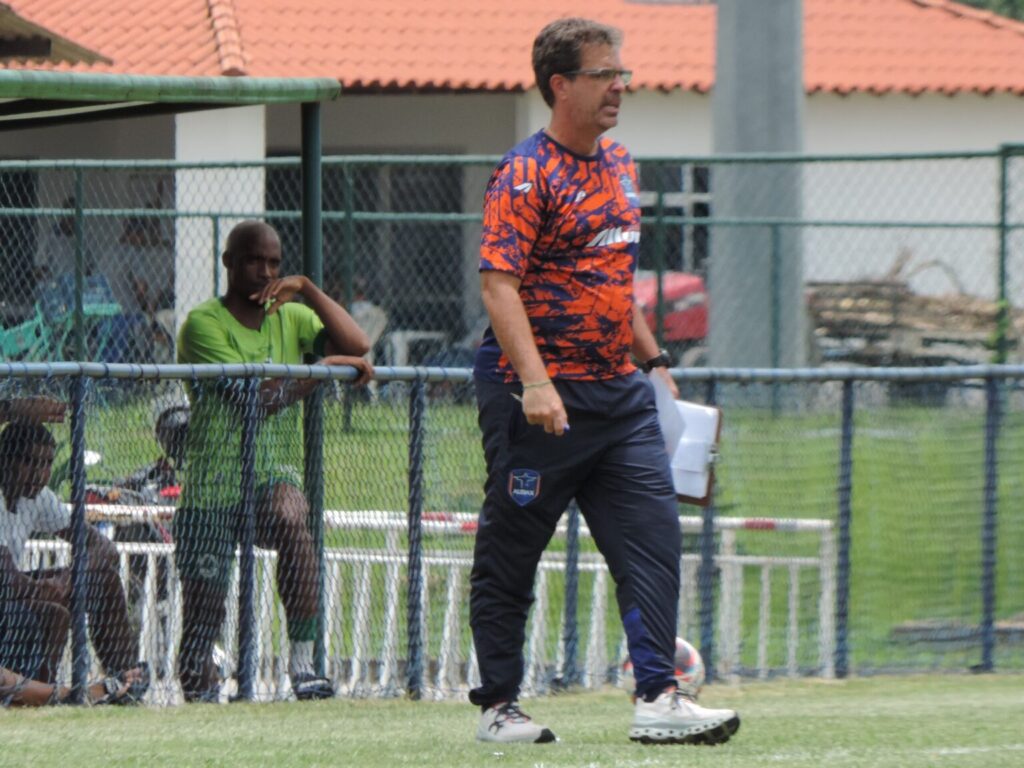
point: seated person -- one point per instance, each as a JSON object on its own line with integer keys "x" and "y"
{"x": 34, "y": 606}
{"x": 20, "y": 691}
{"x": 256, "y": 321}
{"x": 171, "y": 433}
{"x": 156, "y": 483}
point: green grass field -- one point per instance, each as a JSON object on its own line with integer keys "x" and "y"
{"x": 917, "y": 503}
{"x": 903, "y": 722}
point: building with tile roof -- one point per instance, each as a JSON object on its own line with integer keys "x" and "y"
{"x": 866, "y": 46}
{"x": 909, "y": 64}
{"x": 444, "y": 75}
{"x": 450, "y": 76}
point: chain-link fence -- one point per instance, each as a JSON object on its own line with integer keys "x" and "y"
{"x": 756, "y": 261}
{"x": 861, "y": 526}
{"x": 851, "y": 532}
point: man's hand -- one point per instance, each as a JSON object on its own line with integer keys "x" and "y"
{"x": 362, "y": 366}
{"x": 280, "y": 291}
{"x": 543, "y": 405}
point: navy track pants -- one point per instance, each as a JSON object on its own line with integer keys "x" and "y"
{"x": 613, "y": 462}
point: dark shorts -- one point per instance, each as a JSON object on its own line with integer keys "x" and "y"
{"x": 205, "y": 540}
{"x": 21, "y": 638}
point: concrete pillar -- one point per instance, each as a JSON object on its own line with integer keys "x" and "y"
{"x": 223, "y": 135}
{"x": 757, "y": 314}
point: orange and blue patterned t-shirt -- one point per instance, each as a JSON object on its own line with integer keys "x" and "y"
{"x": 569, "y": 227}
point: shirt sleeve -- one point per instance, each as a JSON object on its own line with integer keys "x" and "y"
{"x": 308, "y": 327}
{"x": 203, "y": 340}
{"x": 49, "y": 513}
{"x": 513, "y": 214}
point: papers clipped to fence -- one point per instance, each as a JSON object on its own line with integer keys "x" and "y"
{"x": 691, "y": 433}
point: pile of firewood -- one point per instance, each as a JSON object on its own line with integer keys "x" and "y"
{"x": 882, "y": 322}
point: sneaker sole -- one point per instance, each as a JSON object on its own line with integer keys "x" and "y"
{"x": 313, "y": 689}
{"x": 315, "y": 695}
{"x": 546, "y": 736}
{"x": 698, "y": 734}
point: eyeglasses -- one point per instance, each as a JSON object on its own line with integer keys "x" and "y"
{"x": 607, "y": 75}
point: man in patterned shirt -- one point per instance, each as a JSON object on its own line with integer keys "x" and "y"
{"x": 558, "y": 254}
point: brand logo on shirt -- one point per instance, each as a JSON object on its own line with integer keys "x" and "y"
{"x": 525, "y": 187}
{"x": 523, "y": 485}
{"x": 627, "y": 187}
{"x": 581, "y": 195}
{"x": 614, "y": 235}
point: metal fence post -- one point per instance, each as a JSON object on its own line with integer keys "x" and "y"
{"x": 417, "y": 407}
{"x": 570, "y": 626}
{"x": 989, "y": 526}
{"x": 844, "y": 488}
{"x": 775, "y": 339}
{"x": 1002, "y": 305}
{"x": 247, "y": 539}
{"x": 706, "y": 572}
{"x": 79, "y": 553}
{"x": 659, "y": 257}
{"x": 79, "y": 269}
{"x": 348, "y": 269}
{"x": 313, "y": 483}
{"x": 313, "y": 413}
{"x": 215, "y": 224}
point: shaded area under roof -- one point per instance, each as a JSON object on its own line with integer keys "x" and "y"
{"x": 23, "y": 38}
{"x": 35, "y": 98}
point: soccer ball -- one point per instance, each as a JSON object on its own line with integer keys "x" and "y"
{"x": 689, "y": 670}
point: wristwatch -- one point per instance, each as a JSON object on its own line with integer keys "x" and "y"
{"x": 660, "y": 360}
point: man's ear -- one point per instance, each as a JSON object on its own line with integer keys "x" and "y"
{"x": 225, "y": 259}
{"x": 558, "y": 84}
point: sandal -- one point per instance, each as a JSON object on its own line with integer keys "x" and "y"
{"x": 124, "y": 691}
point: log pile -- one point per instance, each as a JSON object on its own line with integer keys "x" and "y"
{"x": 883, "y": 323}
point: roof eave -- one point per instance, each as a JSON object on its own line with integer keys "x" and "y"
{"x": 35, "y": 97}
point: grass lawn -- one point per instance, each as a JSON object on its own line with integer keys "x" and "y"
{"x": 917, "y": 504}
{"x": 898, "y": 722}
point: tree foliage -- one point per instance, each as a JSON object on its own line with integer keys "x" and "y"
{"x": 1011, "y": 8}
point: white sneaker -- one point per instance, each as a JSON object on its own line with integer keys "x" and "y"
{"x": 673, "y": 718}
{"x": 506, "y": 722}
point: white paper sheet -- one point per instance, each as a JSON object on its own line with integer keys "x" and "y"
{"x": 690, "y": 431}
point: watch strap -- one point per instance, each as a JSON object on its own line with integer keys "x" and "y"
{"x": 660, "y": 360}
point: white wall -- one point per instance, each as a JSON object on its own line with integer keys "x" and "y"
{"x": 651, "y": 123}
{"x": 862, "y": 123}
{"x": 934, "y": 261}
{"x": 227, "y": 135}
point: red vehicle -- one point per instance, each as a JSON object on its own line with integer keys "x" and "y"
{"x": 685, "y": 319}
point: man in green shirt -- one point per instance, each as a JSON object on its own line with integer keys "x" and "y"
{"x": 254, "y": 322}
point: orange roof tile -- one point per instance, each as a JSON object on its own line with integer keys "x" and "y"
{"x": 875, "y": 46}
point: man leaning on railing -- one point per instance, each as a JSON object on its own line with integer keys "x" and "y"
{"x": 254, "y": 322}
